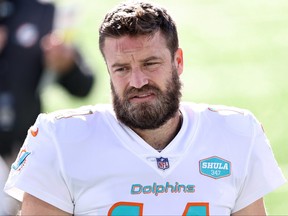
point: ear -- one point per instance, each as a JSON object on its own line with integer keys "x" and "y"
{"x": 178, "y": 60}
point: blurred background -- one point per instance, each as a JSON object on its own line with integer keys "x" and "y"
{"x": 235, "y": 53}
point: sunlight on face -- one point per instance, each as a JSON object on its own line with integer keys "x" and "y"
{"x": 144, "y": 79}
{"x": 149, "y": 115}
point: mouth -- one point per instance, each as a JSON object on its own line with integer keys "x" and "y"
{"x": 141, "y": 97}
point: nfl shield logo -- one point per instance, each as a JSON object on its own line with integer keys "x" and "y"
{"x": 162, "y": 163}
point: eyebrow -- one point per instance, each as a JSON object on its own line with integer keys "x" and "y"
{"x": 119, "y": 65}
{"x": 151, "y": 58}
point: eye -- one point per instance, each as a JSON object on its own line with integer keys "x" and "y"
{"x": 151, "y": 65}
{"x": 121, "y": 69}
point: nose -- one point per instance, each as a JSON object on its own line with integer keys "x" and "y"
{"x": 138, "y": 78}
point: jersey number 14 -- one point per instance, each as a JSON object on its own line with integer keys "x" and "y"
{"x": 136, "y": 209}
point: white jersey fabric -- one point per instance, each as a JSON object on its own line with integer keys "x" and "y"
{"x": 86, "y": 162}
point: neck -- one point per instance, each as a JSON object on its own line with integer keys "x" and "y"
{"x": 159, "y": 138}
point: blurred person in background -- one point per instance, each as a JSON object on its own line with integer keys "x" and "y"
{"x": 27, "y": 49}
{"x": 31, "y": 48}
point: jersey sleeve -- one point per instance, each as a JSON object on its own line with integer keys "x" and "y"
{"x": 263, "y": 174}
{"x": 37, "y": 169}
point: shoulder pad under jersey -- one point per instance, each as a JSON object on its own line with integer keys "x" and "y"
{"x": 240, "y": 121}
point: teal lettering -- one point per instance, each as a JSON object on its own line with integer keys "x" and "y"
{"x": 190, "y": 189}
{"x": 147, "y": 189}
{"x": 157, "y": 189}
{"x": 136, "y": 189}
{"x": 168, "y": 185}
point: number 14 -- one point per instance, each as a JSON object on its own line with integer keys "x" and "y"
{"x": 136, "y": 209}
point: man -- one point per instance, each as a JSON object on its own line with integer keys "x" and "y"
{"x": 151, "y": 155}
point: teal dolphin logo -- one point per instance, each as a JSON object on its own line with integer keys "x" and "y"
{"x": 215, "y": 167}
{"x": 19, "y": 163}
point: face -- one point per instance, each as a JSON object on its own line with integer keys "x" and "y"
{"x": 144, "y": 80}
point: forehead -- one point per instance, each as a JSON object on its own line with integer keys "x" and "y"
{"x": 140, "y": 45}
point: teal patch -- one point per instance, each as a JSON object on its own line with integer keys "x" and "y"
{"x": 21, "y": 159}
{"x": 215, "y": 167}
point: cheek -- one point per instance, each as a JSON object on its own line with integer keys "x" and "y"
{"x": 118, "y": 86}
{"x": 161, "y": 82}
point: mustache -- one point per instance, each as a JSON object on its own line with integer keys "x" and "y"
{"x": 133, "y": 92}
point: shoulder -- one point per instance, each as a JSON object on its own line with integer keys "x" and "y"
{"x": 237, "y": 120}
{"x": 81, "y": 113}
{"x": 73, "y": 122}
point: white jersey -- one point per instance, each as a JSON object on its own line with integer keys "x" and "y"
{"x": 86, "y": 162}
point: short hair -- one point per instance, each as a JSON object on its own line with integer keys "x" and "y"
{"x": 136, "y": 19}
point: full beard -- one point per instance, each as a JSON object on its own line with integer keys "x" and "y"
{"x": 149, "y": 115}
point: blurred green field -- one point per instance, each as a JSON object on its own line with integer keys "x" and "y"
{"x": 235, "y": 53}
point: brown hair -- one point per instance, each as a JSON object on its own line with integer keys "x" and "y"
{"x": 136, "y": 19}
